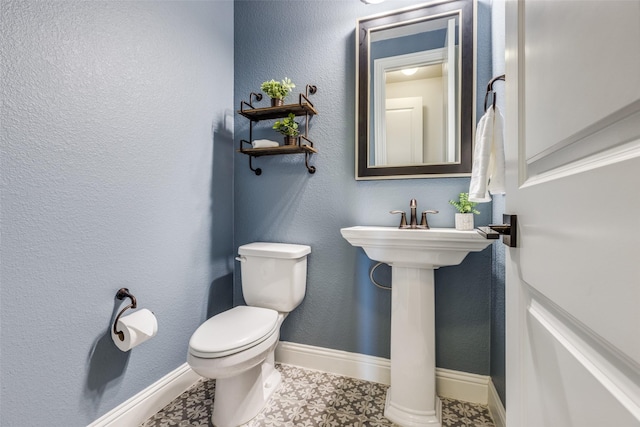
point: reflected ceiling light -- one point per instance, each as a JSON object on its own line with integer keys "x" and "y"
{"x": 371, "y": 1}
{"x": 409, "y": 71}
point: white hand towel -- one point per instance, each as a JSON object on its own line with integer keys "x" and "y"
{"x": 264, "y": 143}
{"x": 496, "y": 180}
{"x": 487, "y": 173}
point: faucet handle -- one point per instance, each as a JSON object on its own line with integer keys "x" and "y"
{"x": 403, "y": 219}
{"x": 423, "y": 223}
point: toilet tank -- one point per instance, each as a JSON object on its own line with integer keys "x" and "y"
{"x": 274, "y": 275}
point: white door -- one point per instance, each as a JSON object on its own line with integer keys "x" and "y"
{"x": 402, "y": 144}
{"x": 573, "y": 179}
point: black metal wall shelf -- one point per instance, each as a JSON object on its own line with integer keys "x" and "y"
{"x": 266, "y": 113}
{"x": 303, "y": 145}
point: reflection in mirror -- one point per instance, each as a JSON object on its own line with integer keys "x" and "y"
{"x": 415, "y": 92}
{"x": 412, "y": 89}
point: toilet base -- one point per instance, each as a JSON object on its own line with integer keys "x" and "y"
{"x": 240, "y": 398}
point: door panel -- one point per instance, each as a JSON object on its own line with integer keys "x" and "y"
{"x": 578, "y": 58}
{"x": 573, "y": 169}
{"x": 403, "y": 144}
{"x": 562, "y": 367}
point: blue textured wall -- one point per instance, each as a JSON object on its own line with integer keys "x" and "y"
{"x": 313, "y": 42}
{"x": 116, "y": 171}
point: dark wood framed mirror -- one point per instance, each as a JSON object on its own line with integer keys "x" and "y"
{"x": 415, "y": 97}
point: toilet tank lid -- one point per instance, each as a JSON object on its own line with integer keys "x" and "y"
{"x": 274, "y": 250}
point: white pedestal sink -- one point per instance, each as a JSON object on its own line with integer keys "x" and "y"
{"x": 413, "y": 255}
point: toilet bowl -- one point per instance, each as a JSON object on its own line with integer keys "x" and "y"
{"x": 245, "y": 373}
{"x": 236, "y": 347}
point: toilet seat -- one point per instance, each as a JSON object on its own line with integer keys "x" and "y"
{"x": 233, "y": 331}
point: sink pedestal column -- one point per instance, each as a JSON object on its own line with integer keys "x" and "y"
{"x": 411, "y": 399}
{"x": 413, "y": 256}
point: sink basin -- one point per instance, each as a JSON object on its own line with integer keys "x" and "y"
{"x": 413, "y": 255}
{"x": 433, "y": 248}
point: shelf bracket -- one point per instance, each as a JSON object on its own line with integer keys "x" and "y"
{"x": 310, "y": 89}
{"x": 307, "y": 155}
{"x": 252, "y": 96}
{"x": 257, "y": 171}
{"x": 311, "y": 169}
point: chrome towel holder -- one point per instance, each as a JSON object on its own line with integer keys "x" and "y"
{"x": 508, "y": 230}
{"x": 122, "y": 294}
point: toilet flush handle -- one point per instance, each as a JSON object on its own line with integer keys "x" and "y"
{"x": 241, "y": 258}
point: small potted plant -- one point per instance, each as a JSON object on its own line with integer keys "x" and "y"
{"x": 466, "y": 209}
{"x": 289, "y": 128}
{"x": 277, "y": 91}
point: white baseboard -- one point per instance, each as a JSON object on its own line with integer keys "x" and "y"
{"x": 496, "y": 407}
{"x": 354, "y": 365}
{"x": 464, "y": 386}
{"x": 149, "y": 401}
{"x": 453, "y": 384}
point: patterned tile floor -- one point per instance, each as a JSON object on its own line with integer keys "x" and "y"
{"x": 312, "y": 398}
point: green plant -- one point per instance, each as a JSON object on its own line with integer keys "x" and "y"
{"x": 278, "y": 90}
{"x": 287, "y": 126}
{"x": 463, "y": 205}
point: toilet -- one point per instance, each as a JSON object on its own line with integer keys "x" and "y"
{"x": 236, "y": 347}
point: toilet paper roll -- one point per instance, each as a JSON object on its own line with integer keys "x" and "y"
{"x": 137, "y": 327}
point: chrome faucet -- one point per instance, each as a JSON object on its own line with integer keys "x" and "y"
{"x": 413, "y": 222}
{"x": 413, "y": 204}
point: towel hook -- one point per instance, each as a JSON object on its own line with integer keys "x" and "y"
{"x": 493, "y": 93}
{"x": 122, "y": 294}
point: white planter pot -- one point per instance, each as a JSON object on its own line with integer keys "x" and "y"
{"x": 464, "y": 221}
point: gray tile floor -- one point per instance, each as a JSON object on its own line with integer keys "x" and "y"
{"x": 312, "y": 398}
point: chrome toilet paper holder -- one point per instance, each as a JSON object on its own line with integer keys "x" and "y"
{"x": 122, "y": 294}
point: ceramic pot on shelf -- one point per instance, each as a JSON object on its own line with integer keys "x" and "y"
{"x": 464, "y": 221}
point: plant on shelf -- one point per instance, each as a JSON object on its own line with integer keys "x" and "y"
{"x": 463, "y": 205}
{"x": 277, "y": 91}
{"x": 289, "y": 128}
{"x": 466, "y": 209}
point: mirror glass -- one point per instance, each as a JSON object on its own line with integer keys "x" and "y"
{"x": 415, "y": 92}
